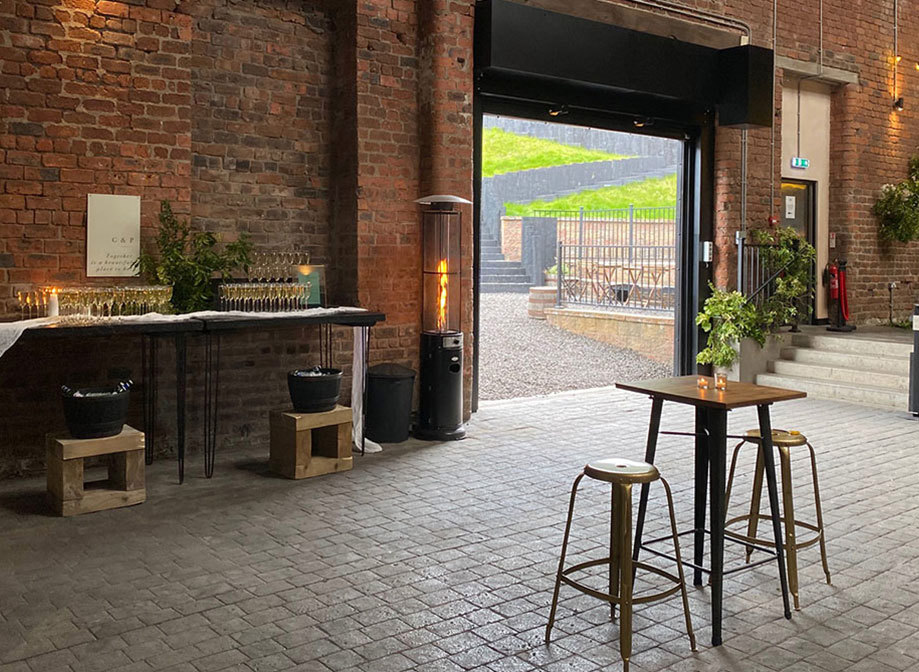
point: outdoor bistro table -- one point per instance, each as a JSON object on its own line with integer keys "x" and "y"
{"x": 712, "y": 406}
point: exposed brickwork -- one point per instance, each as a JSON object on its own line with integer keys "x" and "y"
{"x": 318, "y": 123}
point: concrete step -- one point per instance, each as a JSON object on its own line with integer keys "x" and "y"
{"x": 486, "y": 257}
{"x": 821, "y": 373}
{"x": 504, "y": 279}
{"x": 853, "y": 344}
{"x": 515, "y": 287}
{"x": 856, "y": 394}
{"x": 847, "y": 360}
{"x": 503, "y": 270}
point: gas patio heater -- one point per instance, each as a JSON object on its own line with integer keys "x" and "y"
{"x": 440, "y": 414}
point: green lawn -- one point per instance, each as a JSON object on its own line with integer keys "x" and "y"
{"x": 504, "y": 152}
{"x": 650, "y": 193}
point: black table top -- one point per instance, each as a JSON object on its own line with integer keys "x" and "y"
{"x": 114, "y": 328}
{"x": 363, "y": 318}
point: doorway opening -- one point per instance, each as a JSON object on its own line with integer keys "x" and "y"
{"x": 799, "y": 212}
{"x": 581, "y": 251}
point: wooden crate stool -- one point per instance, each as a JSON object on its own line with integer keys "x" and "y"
{"x": 310, "y": 444}
{"x": 67, "y": 493}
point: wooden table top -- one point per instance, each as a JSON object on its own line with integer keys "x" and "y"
{"x": 685, "y": 390}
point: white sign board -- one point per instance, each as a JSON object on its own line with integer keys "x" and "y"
{"x": 790, "y": 207}
{"x": 112, "y": 235}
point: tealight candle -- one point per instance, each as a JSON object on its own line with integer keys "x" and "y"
{"x": 721, "y": 381}
{"x": 702, "y": 382}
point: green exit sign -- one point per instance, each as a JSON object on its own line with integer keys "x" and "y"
{"x": 800, "y": 162}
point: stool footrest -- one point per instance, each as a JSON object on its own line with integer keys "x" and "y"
{"x": 737, "y": 536}
{"x": 614, "y": 599}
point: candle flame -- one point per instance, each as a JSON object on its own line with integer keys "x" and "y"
{"x": 442, "y": 296}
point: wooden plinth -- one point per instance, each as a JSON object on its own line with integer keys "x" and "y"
{"x": 310, "y": 444}
{"x": 67, "y": 493}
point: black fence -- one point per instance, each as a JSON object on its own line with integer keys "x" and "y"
{"x": 639, "y": 277}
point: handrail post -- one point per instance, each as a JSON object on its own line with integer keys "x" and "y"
{"x": 631, "y": 231}
{"x": 558, "y": 277}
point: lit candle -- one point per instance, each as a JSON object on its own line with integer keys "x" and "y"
{"x": 721, "y": 381}
{"x": 702, "y": 382}
{"x": 54, "y": 306}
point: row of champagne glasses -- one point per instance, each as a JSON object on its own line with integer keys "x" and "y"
{"x": 270, "y": 297}
{"x": 276, "y": 266}
{"x": 34, "y": 304}
{"x": 103, "y": 302}
{"x": 89, "y": 303}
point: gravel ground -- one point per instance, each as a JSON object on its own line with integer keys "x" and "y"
{"x": 522, "y": 357}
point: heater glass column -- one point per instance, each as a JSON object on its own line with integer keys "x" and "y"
{"x": 441, "y": 271}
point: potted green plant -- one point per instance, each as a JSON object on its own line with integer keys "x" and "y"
{"x": 188, "y": 260}
{"x": 728, "y": 318}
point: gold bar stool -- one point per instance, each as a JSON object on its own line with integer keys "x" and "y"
{"x": 783, "y": 440}
{"x": 622, "y": 475}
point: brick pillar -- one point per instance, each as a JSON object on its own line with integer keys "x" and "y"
{"x": 445, "y": 127}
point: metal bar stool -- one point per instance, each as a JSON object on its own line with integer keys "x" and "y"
{"x": 622, "y": 475}
{"x": 784, "y": 441}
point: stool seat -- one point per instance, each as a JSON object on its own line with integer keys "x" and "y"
{"x": 781, "y": 437}
{"x": 619, "y": 470}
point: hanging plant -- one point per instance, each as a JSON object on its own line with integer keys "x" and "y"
{"x": 188, "y": 260}
{"x": 897, "y": 209}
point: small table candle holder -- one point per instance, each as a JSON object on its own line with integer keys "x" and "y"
{"x": 703, "y": 382}
{"x": 721, "y": 381}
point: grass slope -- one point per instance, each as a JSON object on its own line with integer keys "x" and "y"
{"x": 650, "y": 193}
{"x": 504, "y": 152}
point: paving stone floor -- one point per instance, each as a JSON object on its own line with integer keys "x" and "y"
{"x": 440, "y": 557}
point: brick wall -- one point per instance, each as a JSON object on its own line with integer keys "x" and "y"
{"x": 318, "y": 123}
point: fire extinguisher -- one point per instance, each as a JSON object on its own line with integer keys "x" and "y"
{"x": 836, "y": 281}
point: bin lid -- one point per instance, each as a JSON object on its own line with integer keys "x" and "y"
{"x": 390, "y": 370}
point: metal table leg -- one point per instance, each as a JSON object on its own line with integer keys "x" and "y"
{"x": 181, "y": 351}
{"x": 365, "y": 335}
{"x": 766, "y": 450}
{"x": 211, "y": 391}
{"x": 654, "y": 426}
{"x": 149, "y": 366}
{"x": 717, "y": 441}
{"x": 700, "y": 492}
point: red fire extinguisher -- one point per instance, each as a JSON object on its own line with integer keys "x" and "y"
{"x": 833, "y": 273}
{"x": 836, "y": 280}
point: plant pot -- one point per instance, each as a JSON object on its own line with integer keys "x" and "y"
{"x": 97, "y": 412}
{"x": 314, "y": 390}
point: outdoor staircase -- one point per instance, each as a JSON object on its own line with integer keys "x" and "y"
{"x": 498, "y": 274}
{"x": 860, "y": 370}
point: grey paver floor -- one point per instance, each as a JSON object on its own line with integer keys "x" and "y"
{"x": 440, "y": 557}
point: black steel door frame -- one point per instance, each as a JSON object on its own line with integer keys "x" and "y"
{"x": 696, "y": 129}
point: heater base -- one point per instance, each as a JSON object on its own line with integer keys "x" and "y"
{"x": 435, "y": 434}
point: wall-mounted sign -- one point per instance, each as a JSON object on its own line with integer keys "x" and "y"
{"x": 800, "y": 162}
{"x": 112, "y": 235}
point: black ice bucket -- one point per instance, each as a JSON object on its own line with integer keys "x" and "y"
{"x": 95, "y": 412}
{"x": 314, "y": 390}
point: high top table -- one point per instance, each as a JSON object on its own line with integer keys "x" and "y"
{"x": 710, "y": 434}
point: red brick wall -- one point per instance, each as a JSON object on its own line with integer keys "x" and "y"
{"x": 345, "y": 112}
{"x": 94, "y": 97}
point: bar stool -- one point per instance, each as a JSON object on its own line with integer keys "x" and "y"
{"x": 783, "y": 440}
{"x": 622, "y": 474}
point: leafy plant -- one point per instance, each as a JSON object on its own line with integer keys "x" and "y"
{"x": 897, "y": 209}
{"x": 791, "y": 256}
{"x": 188, "y": 260}
{"x": 727, "y": 318}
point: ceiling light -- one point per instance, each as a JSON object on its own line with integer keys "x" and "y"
{"x": 898, "y": 104}
{"x": 560, "y": 111}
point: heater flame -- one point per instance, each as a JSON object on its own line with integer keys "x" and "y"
{"x": 442, "y": 296}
